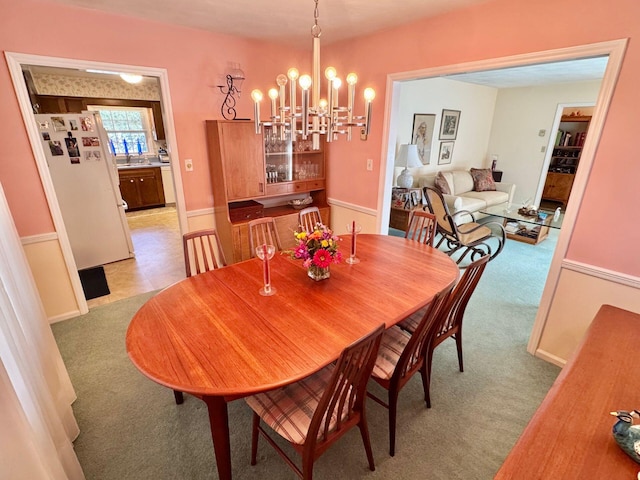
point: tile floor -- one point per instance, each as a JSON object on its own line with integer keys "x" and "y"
{"x": 159, "y": 260}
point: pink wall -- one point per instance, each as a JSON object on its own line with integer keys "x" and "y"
{"x": 194, "y": 59}
{"x": 503, "y": 28}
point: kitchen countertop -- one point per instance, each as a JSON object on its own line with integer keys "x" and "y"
{"x": 152, "y": 164}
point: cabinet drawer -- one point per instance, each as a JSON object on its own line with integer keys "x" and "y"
{"x": 315, "y": 185}
{"x": 279, "y": 188}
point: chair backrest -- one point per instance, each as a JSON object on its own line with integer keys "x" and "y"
{"x": 263, "y": 231}
{"x": 438, "y": 207}
{"x": 453, "y": 311}
{"x": 422, "y": 227}
{"x": 202, "y": 251}
{"x": 346, "y": 391}
{"x": 308, "y": 218}
{"x": 414, "y": 352}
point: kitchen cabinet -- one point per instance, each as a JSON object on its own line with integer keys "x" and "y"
{"x": 57, "y": 104}
{"x": 142, "y": 187}
{"x": 246, "y": 166}
{"x": 557, "y": 187}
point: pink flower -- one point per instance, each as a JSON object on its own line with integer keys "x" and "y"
{"x": 322, "y": 258}
{"x": 301, "y": 251}
{"x": 337, "y": 257}
{"x": 306, "y": 263}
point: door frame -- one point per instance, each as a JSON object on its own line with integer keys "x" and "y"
{"x": 15, "y": 62}
{"x": 614, "y": 49}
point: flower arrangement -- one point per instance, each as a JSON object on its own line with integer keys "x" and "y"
{"x": 318, "y": 249}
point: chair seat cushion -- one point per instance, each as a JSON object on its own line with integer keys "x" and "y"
{"x": 289, "y": 410}
{"x": 472, "y": 232}
{"x": 393, "y": 342}
{"x": 412, "y": 321}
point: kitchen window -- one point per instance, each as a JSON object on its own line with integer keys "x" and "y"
{"x": 128, "y": 128}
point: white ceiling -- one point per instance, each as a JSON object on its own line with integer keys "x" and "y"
{"x": 290, "y": 21}
{"x": 285, "y": 21}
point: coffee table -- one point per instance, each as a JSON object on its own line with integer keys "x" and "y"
{"x": 524, "y": 228}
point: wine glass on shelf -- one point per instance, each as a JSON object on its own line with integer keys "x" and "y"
{"x": 354, "y": 229}
{"x": 265, "y": 253}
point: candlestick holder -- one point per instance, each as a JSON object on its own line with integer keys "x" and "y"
{"x": 354, "y": 229}
{"x": 265, "y": 253}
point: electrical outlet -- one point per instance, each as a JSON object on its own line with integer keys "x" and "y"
{"x": 370, "y": 164}
{"x": 542, "y": 133}
{"x": 188, "y": 165}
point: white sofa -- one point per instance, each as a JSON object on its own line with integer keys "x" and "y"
{"x": 462, "y": 196}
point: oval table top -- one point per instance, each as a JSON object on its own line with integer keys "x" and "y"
{"x": 213, "y": 334}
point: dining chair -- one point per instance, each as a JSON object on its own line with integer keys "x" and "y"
{"x": 400, "y": 356}
{"x": 308, "y": 217}
{"x": 263, "y": 231}
{"x": 470, "y": 237}
{"x": 449, "y": 322}
{"x": 422, "y": 227}
{"x": 315, "y": 412}
{"x": 202, "y": 252}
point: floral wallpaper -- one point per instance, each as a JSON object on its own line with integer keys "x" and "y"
{"x": 60, "y": 85}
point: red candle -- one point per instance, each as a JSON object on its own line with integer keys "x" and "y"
{"x": 353, "y": 238}
{"x": 265, "y": 261}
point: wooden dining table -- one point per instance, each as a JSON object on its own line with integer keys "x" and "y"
{"x": 214, "y": 336}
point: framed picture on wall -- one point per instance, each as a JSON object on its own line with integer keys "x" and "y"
{"x": 446, "y": 152}
{"x": 449, "y": 124}
{"x": 422, "y": 135}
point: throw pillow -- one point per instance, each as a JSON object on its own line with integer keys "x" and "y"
{"x": 442, "y": 184}
{"x": 482, "y": 179}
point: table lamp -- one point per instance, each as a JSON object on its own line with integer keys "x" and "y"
{"x": 408, "y": 158}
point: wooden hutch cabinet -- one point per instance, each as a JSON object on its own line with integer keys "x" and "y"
{"x": 262, "y": 170}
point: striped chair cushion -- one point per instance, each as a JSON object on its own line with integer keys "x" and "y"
{"x": 412, "y": 321}
{"x": 289, "y": 410}
{"x": 392, "y": 345}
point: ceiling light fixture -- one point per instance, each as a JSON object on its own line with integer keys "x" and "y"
{"x": 131, "y": 78}
{"x": 314, "y": 116}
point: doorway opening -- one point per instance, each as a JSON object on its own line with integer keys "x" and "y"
{"x": 164, "y": 144}
{"x": 612, "y": 50}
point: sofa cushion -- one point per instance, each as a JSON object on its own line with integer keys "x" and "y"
{"x": 482, "y": 179}
{"x": 442, "y": 184}
{"x": 461, "y": 181}
{"x": 470, "y": 203}
{"x": 490, "y": 198}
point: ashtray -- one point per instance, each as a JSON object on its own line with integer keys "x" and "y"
{"x": 301, "y": 203}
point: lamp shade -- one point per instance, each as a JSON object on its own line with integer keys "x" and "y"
{"x": 408, "y": 156}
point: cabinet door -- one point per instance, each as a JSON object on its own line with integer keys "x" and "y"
{"x": 150, "y": 187}
{"x": 243, "y": 159}
{"x": 129, "y": 191}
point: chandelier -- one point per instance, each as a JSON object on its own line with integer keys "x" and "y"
{"x": 314, "y": 116}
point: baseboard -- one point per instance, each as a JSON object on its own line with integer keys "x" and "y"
{"x": 64, "y": 316}
{"x": 548, "y": 357}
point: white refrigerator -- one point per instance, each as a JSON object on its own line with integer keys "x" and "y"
{"x": 85, "y": 178}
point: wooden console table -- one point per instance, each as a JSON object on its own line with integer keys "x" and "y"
{"x": 569, "y": 437}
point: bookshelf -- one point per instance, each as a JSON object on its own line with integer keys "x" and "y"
{"x": 565, "y": 158}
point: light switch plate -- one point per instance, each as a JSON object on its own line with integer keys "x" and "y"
{"x": 370, "y": 164}
{"x": 188, "y": 165}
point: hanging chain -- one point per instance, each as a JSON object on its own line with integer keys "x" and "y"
{"x": 316, "y": 31}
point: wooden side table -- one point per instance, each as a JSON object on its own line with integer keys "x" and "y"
{"x": 403, "y": 201}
